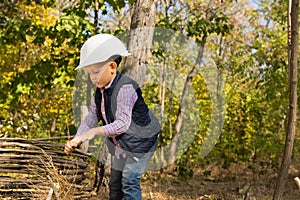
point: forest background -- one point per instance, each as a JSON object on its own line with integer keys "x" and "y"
{"x": 247, "y": 40}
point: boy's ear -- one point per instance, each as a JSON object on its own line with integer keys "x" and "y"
{"x": 113, "y": 65}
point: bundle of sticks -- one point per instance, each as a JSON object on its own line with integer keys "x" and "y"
{"x": 39, "y": 169}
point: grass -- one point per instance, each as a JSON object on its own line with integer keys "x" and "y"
{"x": 56, "y": 184}
{"x": 232, "y": 183}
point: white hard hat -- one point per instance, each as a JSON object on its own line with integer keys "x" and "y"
{"x": 100, "y": 48}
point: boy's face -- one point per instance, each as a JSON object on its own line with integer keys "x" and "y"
{"x": 101, "y": 74}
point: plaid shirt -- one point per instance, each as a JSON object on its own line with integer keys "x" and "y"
{"x": 125, "y": 101}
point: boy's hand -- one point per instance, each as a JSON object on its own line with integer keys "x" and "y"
{"x": 88, "y": 135}
{"x": 70, "y": 145}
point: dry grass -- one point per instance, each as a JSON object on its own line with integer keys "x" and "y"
{"x": 208, "y": 183}
{"x": 56, "y": 184}
{"x": 220, "y": 184}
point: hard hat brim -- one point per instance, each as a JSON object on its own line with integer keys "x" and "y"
{"x": 85, "y": 64}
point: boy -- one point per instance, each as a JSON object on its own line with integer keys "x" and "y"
{"x": 131, "y": 128}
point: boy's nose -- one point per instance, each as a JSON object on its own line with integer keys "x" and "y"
{"x": 94, "y": 79}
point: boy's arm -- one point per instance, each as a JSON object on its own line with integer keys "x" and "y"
{"x": 126, "y": 99}
{"x": 87, "y": 129}
{"x": 88, "y": 135}
{"x": 90, "y": 121}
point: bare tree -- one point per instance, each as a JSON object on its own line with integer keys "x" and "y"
{"x": 293, "y": 29}
{"x": 180, "y": 113}
{"x": 140, "y": 40}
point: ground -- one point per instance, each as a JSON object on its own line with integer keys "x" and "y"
{"x": 238, "y": 182}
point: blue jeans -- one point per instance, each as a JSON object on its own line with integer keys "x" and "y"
{"x": 125, "y": 177}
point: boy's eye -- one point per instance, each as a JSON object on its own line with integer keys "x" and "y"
{"x": 93, "y": 72}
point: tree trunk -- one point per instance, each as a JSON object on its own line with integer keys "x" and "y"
{"x": 53, "y": 126}
{"x": 140, "y": 40}
{"x": 293, "y": 70}
{"x": 96, "y": 16}
{"x": 162, "y": 91}
{"x": 185, "y": 92}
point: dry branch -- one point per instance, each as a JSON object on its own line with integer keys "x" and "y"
{"x": 30, "y": 168}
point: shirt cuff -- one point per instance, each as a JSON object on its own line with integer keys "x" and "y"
{"x": 108, "y": 130}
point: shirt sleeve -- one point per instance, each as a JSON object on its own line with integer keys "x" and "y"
{"x": 90, "y": 121}
{"x": 126, "y": 99}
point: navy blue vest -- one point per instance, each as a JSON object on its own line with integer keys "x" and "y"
{"x": 144, "y": 127}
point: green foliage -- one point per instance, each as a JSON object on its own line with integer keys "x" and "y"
{"x": 255, "y": 69}
{"x": 39, "y": 81}
{"x": 256, "y": 92}
{"x": 39, "y": 48}
{"x": 204, "y": 27}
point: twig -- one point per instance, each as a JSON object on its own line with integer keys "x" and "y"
{"x": 49, "y": 197}
{"x": 297, "y": 180}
